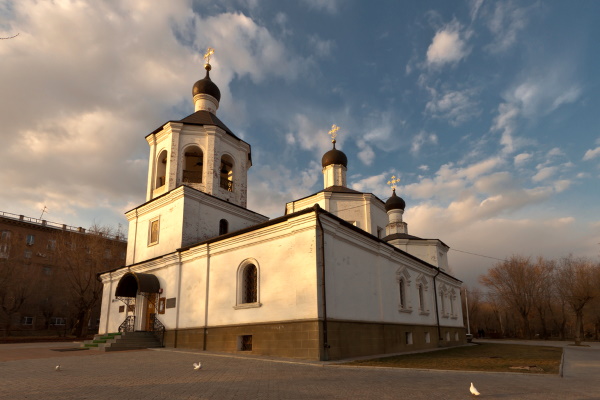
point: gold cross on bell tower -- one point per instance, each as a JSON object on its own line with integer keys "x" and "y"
{"x": 393, "y": 182}
{"x": 333, "y": 132}
{"x": 209, "y": 52}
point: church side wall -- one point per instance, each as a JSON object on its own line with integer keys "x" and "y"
{"x": 365, "y": 314}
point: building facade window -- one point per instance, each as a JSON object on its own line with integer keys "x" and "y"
{"x": 248, "y": 285}
{"x": 5, "y": 236}
{"x": 30, "y": 240}
{"x": 161, "y": 170}
{"x": 28, "y": 253}
{"x": 402, "y": 290}
{"x": 421, "y": 299}
{"x": 194, "y": 165}
{"x": 51, "y": 244}
{"x": 27, "y": 321}
{"x": 250, "y": 289}
{"x": 154, "y": 229}
{"x": 57, "y": 321}
{"x": 226, "y": 173}
{"x": 223, "y": 227}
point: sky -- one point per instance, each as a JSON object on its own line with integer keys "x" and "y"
{"x": 487, "y": 111}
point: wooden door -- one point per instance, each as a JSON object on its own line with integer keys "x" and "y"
{"x": 150, "y": 311}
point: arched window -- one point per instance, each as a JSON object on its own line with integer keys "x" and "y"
{"x": 421, "y": 299}
{"x": 223, "y": 227}
{"x": 194, "y": 165}
{"x": 250, "y": 284}
{"x": 402, "y": 289}
{"x": 161, "y": 169}
{"x": 226, "y": 173}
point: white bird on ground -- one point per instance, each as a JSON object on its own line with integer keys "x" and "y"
{"x": 473, "y": 390}
{"x": 57, "y": 368}
{"x": 197, "y": 365}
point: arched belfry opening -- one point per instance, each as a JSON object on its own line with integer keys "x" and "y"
{"x": 193, "y": 165}
{"x": 161, "y": 170}
{"x": 131, "y": 286}
{"x": 226, "y": 173}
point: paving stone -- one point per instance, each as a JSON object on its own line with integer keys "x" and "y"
{"x": 169, "y": 374}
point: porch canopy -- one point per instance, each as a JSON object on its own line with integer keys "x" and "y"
{"x": 131, "y": 283}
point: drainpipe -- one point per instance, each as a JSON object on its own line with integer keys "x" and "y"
{"x": 437, "y": 313}
{"x": 323, "y": 289}
{"x": 206, "y": 296}
{"x": 178, "y": 304}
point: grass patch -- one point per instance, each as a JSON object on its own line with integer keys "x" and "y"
{"x": 482, "y": 357}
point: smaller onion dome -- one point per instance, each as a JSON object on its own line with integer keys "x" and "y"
{"x": 395, "y": 202}
{"x": 334, "y": 156}
{"x": 206, "y": 86}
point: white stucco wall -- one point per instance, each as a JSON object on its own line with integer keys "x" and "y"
{"x": 186, "y": 216}
{"x": 362, "y": 282}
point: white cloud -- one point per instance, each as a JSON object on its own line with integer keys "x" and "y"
{"x": 590, "y": 154}
{"x": 328, "y": 6}
{"x": 520, "y": 159}
{"x": 555, "y": 152}
{"x": 420, "y": 139}
{"x": 366, "y": 154}
{"x": 448, "y": 46}
{"x": 321, "y": 47}
{"x": 456, "y": 106}
{"x": 544, "y": 173}
{"x": 423, "y": 167}
{"x": 505, "y": 23}
{"x": 80, "y": 104}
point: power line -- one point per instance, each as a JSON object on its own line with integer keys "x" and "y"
{"x": 479, "y": 255}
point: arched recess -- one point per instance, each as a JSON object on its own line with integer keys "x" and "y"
{"x": 248, "y": 284}
{"x": 161, "y": 169}
{"x": 193, "y": 167}
{"x": 129, "y": 287}
{"x": 422, "y": 289}
{"x": 226, "y": 173}
{"x": 404, "y": 293}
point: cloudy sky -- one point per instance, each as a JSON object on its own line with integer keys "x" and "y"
{"x": 488, "y": 111}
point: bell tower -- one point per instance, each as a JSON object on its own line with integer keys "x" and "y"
{"x": 199, "y": 151}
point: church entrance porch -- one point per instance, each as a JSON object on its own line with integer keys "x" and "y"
{"x": 139, "y": 292}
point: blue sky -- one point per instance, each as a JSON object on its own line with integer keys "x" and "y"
{"x": 488, "y": 111}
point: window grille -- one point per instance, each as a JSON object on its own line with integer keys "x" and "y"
{"x": 250, "y": 284}
{"x": 246, "y": 343}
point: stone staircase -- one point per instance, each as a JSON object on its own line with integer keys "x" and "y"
{"x": 122, "y": 341}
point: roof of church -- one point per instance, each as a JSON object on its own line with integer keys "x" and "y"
{"x": 401, "y": 236}
{"x": 201, "y": 117}
{"x": 334, "y": 156}
{"x": 316, "y": 209}
{"x": 337, "y": 189}
{"x": 207, "y": 86}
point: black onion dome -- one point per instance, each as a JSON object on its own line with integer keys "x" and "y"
{"x": 334, "y": 156}
{"x": 394, "y": 202}
{"x": 206, "y": 86}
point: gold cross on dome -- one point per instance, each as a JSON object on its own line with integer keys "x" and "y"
{"x": 333, "y": 132}
{"x": 393, "y": 182}
{"x": 209, "y": 52}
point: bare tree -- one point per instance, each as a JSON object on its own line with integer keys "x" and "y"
{"x": 514, "y": 282}
{"x": 544, "y": 292}
{"x": 578, "y": 280}
{"x": 83, "y": 256}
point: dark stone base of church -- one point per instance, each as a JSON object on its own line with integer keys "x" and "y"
{"x": 303, "y": 339}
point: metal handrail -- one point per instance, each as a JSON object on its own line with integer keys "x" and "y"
{"x": 158, "y": 328}
{"x": 128, "y": 325}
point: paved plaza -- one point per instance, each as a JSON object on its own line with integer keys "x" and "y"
{"x": 27, "y": 371}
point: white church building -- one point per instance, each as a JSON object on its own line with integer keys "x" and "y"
{"x": 337, "y": 276}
